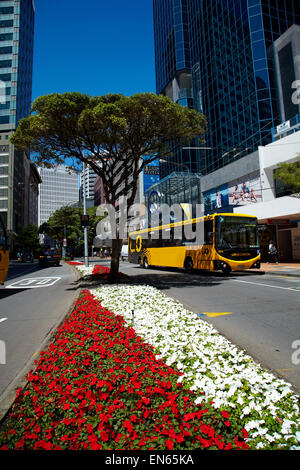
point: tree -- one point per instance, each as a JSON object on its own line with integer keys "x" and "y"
{"x": 289, "y": 175}
{"x": 117, "y": 131}
{"x": 65, "y": 223}
{"x": 28, "y": 238}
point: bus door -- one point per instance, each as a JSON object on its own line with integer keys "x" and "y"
{"x": 204, "y": 253}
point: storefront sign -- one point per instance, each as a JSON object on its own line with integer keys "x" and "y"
{"x": 279, "y": 221}
{"x": 283, "y": 127}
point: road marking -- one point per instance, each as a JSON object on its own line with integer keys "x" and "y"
{"x": 33, "y": 283}
{"x": 264, "y": 285}
{"x": 2, "y": 319}
{"x": 215, "y": 314}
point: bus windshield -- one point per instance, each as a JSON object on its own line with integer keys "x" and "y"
{"x": 239, "y": 233}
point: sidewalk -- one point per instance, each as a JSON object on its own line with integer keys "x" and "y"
{"x": 286, "y": 269}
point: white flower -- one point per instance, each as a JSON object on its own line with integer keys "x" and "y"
{"x": 209, "y": 362}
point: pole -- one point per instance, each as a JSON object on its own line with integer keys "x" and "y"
{"x": 86, "y": 250}
{"x": 64, "y": 239}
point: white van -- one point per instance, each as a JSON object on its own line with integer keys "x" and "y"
{"x": 124, "y": 252}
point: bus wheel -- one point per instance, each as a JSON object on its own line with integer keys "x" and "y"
{"x": 226, "y": 269}
{"x": 188, "y": 265}
{"x": 145, "y": 263}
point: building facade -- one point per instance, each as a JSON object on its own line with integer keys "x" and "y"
{"x": 59, "y": 188}
{"x": 87, "y": 181}
{"x": 217, "y": 56}
{"x": 249, "y": 186}
{"x": 16, "y": 64}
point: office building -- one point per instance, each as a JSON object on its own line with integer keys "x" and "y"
{"x": 16, "y": 61}
{"x": 287, "y": 62}
{"x": 217, "y": 56}
{"x": 59, "y": 188}
{"x": 87, "y": 184}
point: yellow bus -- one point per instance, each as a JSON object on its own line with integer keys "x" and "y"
{"x": 229, "y": 243}
{"x": 4, "y": 253}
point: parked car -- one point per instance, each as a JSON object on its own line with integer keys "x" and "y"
{"x": 124, "y": 253}
{"x": 27, "y": 256}
{"x": 49, "y": 257}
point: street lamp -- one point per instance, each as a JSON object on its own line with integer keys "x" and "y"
{"x": 85, "y": 229}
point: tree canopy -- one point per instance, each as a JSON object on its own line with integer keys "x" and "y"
{"x": 111, "y": 133}
{"x": 289, "y": 175}
{"x": 66, "y": 223}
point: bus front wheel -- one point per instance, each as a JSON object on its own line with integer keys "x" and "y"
{"x": 188, "y": 265}
{"x": 225, "y": 269}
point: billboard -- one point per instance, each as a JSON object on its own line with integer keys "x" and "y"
{"x": 216, "y": 198}
{"x": 245, "y": 191}
{"x": 238, "y": 192}
{"x": 151, "y": 174}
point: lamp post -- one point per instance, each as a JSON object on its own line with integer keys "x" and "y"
{"x": 85, "y": 229}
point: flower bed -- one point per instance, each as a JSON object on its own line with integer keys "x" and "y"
{"x": 99, "y": 386}
{"x": 211, "y": 364}
{"x": 74, "y": 263}
{"x": 101, "y": 272}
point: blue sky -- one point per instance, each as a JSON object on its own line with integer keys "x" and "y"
{"x": 93, "y": 46}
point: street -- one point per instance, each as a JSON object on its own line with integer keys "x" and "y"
{"x": 32, "y": 303}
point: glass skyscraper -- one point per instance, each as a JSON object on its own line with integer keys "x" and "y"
{"x": 224, "y": 49}
{"x": 16, "y": 64}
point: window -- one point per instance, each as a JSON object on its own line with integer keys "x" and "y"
{"x": 6, "y": 23}
{"x": 6, "y": 10}
{"x": 208, "y": 232}
{"x": 6, "y": 37}
{"x": 4, "y": 119}
{"x": 5, "y": 64}
{"x": 6, "y": 50}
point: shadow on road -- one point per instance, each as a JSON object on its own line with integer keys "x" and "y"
{"x": 159, "y": 278}
{"x": 8, "y": 292}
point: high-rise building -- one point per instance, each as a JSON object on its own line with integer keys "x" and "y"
{"x": 16, "y": 63}
{"x": 217, "y": 56}
{"x": 87, "y": 184}
{"x": 287, "y": 53}
{"x": 59, "y": 188}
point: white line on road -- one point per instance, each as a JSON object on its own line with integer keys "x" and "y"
{"x": 2, "y": 319}
{"x": 33, "y": 283}
{"x": 265, "y": 285}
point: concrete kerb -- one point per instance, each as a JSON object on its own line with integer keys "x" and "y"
{"x": 8, "y": 396}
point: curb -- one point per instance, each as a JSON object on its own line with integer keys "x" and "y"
{"x": 8, "y": 396}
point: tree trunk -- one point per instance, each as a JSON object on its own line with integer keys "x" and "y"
{"x": 115, "y": 259}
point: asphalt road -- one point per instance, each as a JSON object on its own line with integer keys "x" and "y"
{"x": 32, "y": 303}
{"x": 258, "y": 313}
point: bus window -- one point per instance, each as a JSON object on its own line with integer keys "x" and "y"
{"x": 3, "y": 240}
{"x": 208, "y": 232}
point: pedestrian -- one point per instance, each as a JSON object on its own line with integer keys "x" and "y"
{"x": 18, "y": 256}
{"x": 273, "y": 252}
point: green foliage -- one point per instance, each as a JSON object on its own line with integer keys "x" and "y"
{"x": 115, "y": 129}
{"x": 28, "y": 238}
{"x": 289, "y": 175}
{"x": 109, "y": 133}
{"x": 66, "y": 221}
